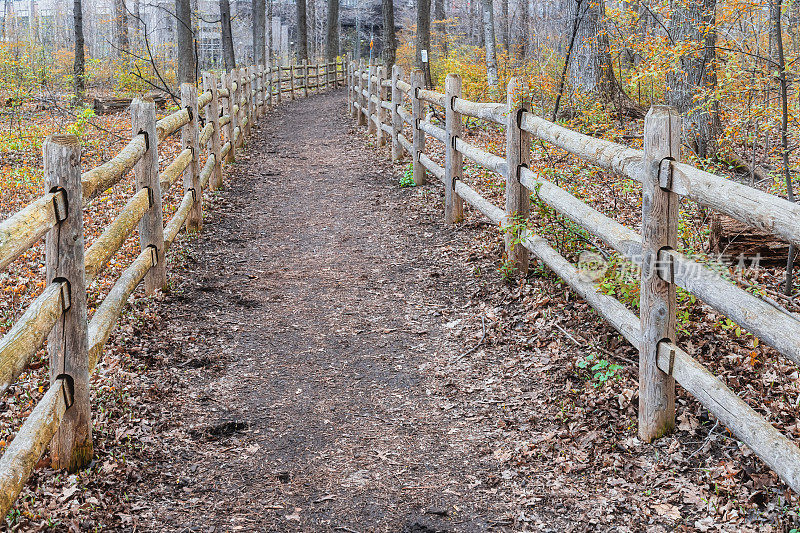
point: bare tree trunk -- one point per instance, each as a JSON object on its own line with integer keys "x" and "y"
{"x": 590, "y": 66}
{"x": 694, "y": 23}
{"x": 777, "y": 29}
{"x": 575, "y": 22}
{"x": 79, "y": 68}
{"x": 120, "y": 29}
{"x": 302, "y": 31}
{"x": 332, "y": 41}
{"x": 259, "y": 27}
{"x": 185, "y": 42}
{"x": 439, "y": 16}
{"x": 488, "y": 31}
{"x": 268, "y": 33}
{"x": 227, "y": 37}
{"x": 311, "y": 10}
{"x": 504, "y": 24}
{"x": 389, "y": 40}
{"x": 423, "y": 30}
{"x": 137, "y": 24}
{"x": 525, "y": 22}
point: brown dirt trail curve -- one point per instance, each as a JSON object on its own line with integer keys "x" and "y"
{"x": 297, "y": 392}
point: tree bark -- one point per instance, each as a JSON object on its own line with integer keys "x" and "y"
{"x": 777, "y": 30}
{"x": 389, "y": 40}
{"x": 525, "y": 21}
{"x": 423, "y": 30}
{"x": 228, "y": 55}
{"x": 79, "y": 66}
{"x": 439, "y": 16}
{"x": 259, "y": 27}
{"x": 120, "y": 28}
{"x": 137, "y": 24}
{"x": 185, "y": 42}
{"x": 302, "y": 31}
{"x": 573, "y": 34}
{"x": 488, "y": 31}
{"x": 332, "y": 41}
{"x": 591, "y": 68}
{"x": 504, "y": 24}
{"x": 268, "y": 33}
{"x": 694, "y": 23}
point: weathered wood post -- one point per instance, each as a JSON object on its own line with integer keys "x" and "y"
{"x": 248, "y": 94}
{"x": 151, "y": 226}
{"x": 305, "y": 78}
{"x": 236, "y": 107}
{"x": 397, "y": 120}
{"x": 254, "y": 94}
{"x": 518, "y": 155}
{"x": 264, "y": 92}
{"x": 362, "y": 115}
{"x": 380, "y": 112}
{"x": 67, "y": 343}
{"x": 244, "y": 77}
{"x": 418, "y": 136}
{"x": 227, "y": 109}
{"x": 662, "y": 127}
{"x": 279, "y": 96}
{"x": 453, "y": 160}
{"x": 291, "y": 79}
{"x": 258, "y": 98}
{"x": 351, "y": 79}
{"x": 190, "y": 138}
{"x": 268, "y": 97}
{"x": 370, "y": 101}
{"x": 212, "y": 115}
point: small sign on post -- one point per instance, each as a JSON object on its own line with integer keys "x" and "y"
{"x": 426, "y": 68}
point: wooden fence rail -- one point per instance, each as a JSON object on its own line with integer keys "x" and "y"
{"x": 231, "y": 107}
{"x": 664, "y": 180}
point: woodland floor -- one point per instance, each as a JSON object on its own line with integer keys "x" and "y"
{"x": 331, "y": 357}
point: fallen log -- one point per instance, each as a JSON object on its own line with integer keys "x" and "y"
{"x": 107, "y": 105}
{"x": 732, "y": 239}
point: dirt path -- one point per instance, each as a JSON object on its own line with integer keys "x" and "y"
{"x": 331, "y": 357}
{"x": 299, "y": 345}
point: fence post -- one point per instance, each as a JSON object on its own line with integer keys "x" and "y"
{"x": 212, "y": 114}
{"x": 244, "y": 76}
{"x": 351, "y": 79}
{"x": 258, "y": 99}
{"x": 235, "y": 99}
{"x": 305, "y": 78}
{"x": 370, "y": 102}
{"x": 380, "y": 112}
{"x": 268, "y": 96}
{"x": 279, "y": 96}
{"x": 397, "y": 120}
{"x": 291, "y": 80}
{"x": 67, "y": 343}
{"x": 248, "y": 94}
{"x": 662, "y": 127}
{"x": 227, "y": 109}
{"x": 418, "y": 136}
{"x": 518, "y": 155}
{"x": 151, "y": 226}
{"x": 362, "y": 110}
{"x": 190, "y": 138}
{"x": 453, "y": 161}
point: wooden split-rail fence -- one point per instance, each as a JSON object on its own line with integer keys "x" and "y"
{"x": 378, "y": 99}
{"x": 230, "y": 106}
